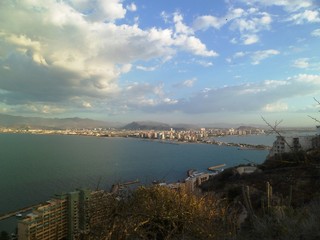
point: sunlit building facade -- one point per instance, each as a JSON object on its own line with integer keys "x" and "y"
{"x": 65, "y": 216}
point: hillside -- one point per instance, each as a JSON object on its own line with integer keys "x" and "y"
{"x": 282, "y": 197}
{"x": 147, "y": 126}
{"x": 9, "y": 121}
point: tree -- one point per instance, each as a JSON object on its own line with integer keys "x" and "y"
{"x": 158, "y": 213}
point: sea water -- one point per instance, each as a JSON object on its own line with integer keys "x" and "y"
{"x": 35, "y": 167}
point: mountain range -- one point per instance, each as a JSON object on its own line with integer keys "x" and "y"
{"x": 22, "y": 122}
{"x": 9, "y": 121}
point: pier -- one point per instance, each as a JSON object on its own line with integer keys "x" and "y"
{"x": 15, "y": 212}
{"x": 213, "y": 168}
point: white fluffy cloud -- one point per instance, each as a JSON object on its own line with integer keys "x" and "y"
{"x": 251, "y": 24}
{"x": 180, "y": 27}
{"x": 194, "y": 45}
{"x": 94, "y": 10}
{"x": 205, "y": 22}
{"x": 185, "y": 39}
{"x": 250, "y": 39}
{"x": 73, "y": 52}
{"x": 248, "y": 22}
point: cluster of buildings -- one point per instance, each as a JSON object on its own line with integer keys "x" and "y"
{"x": 286, "y": 144}
{"x": 186, "y": 136}
{"x": 195, "y": 135}
{"x": 72, "y": 215}
{"x": 191, "y": 183}
{"x": 65, "y": 216}
{"x": 172, "y": 134}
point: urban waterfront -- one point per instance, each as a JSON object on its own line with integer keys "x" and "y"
{"x": 35, "y": 167}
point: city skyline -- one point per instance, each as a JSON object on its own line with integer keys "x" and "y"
{"x": 175, "y": 62}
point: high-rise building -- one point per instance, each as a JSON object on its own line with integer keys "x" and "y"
{"x": 48, "y": 221}
{"x": 65, "y": 216}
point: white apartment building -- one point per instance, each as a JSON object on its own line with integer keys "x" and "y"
{"x": 287, "y": 144}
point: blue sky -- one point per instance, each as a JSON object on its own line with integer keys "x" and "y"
{"x": 200, "y": 62}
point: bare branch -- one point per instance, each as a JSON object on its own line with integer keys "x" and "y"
{"x": 317, "y": 100}
{"x": 314, "y": 118}
{"x": 274, "y": 129}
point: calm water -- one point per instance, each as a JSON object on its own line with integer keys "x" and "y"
{"x": 263, "y": 139}
{"x": 35, "y": 167}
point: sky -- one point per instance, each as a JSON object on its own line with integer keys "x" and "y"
{"x": 181, "y": 61}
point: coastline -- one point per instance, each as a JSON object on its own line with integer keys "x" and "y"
{"x": 240, "y": 146}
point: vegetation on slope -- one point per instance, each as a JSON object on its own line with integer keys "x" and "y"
{"x": 158, "y": 213}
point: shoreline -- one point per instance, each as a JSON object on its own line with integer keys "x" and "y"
{"x": 240, "y": 146}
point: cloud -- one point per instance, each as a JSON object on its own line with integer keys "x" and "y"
{"x": 258, "y": 56}
{"x": 186, "y": 83}
{"x": 276, "y": 107}
{"x": 147, "y": 69}
{"x": 307, "y": 63}
{"x": 301, "y": 63}
{"x": 109, "y": 10}
{"x": 180, "y": 27}
{"x": 207, "y": 21}
{"x": 316, "y": 32}
{"x": 165, "y": 16}
{"x": 189, "y": 82}
{"x": 288, "y": 5}
{"x": 86, "y": 104}
{"x": 239, "y": 54}
{"x": 233, "y": 41}
{"x": 194, "y": 45}
{"x": 142, "y": 96}
{"x": 204, "y": 63}
{"x": 132, "y": 7}
{"x": 251, "y": 23}
{"x": 308, "y": 16}
{"x": 73, "y": 52}
{"x": 250, "y": 39}
{"x": 269, "y": 96}
{"x": 94, "y": 10}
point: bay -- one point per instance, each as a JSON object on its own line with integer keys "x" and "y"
{"x": 35, "y": 167}
{"x": 262, "y": 139}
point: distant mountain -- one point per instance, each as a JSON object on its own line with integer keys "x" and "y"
{"x": 147, "y": 126}
{"x": 233, "y": 125}
{"x": 246, "y": 128}
{"x": 184, "y": 126}
{"x": 21, "y": 122}
{"x": 10, "y": 121}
